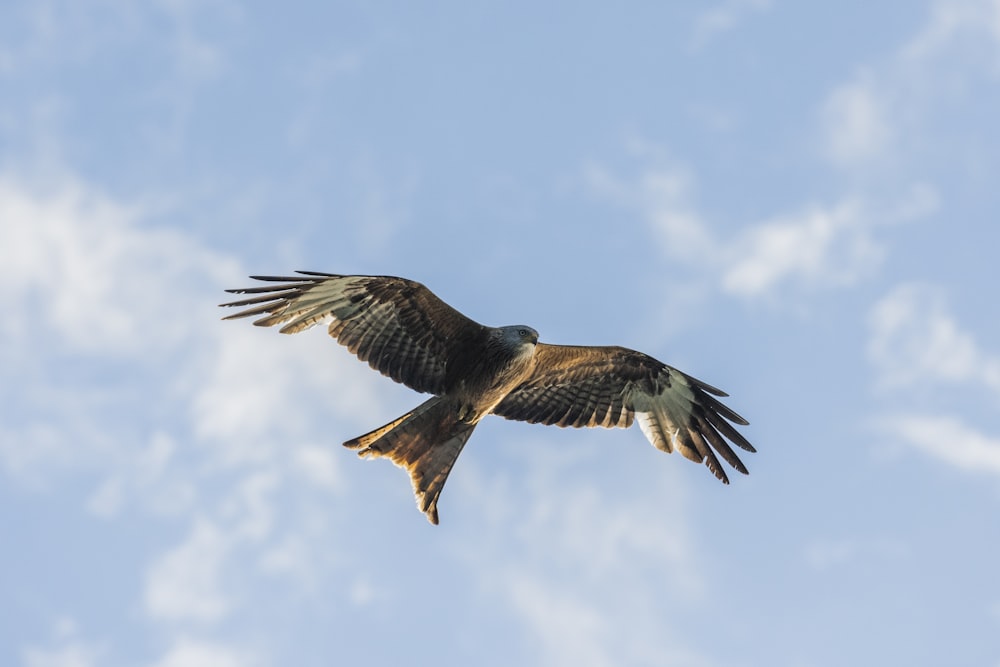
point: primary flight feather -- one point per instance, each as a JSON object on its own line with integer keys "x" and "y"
{"x": 406, "y": 332}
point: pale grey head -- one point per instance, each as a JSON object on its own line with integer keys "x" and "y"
{"x": 516, "y": 335}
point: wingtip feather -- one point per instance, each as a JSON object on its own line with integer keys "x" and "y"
{"x": 318, "y": 274}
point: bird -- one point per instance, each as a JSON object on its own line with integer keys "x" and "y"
{"x": 407, "y": 333}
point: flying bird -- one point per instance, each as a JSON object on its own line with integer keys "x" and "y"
{"x": 407, "y": 333}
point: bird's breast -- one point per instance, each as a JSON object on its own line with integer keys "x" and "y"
{"x": 488, "y": 380}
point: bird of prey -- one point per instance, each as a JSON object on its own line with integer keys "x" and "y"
{"x": 407, "y": 333}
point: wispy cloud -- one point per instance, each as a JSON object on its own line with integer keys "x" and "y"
{"x": 879, "y": 114}
{"x": 69, "y": 649}
{"x": 217, "y": 425}
{"x": 571, "y": 631}
{"x": 630, "y": 552}
{"x": 947, "y": 439}
{"x": 857, "y": 119}
{"x": 829, "y": 246}
{"x": 914, "y": 339}
{"x": 868, "y": 126}
{"x": 197, "y": 56}
{"x": 722, "y": 18}
{"x": 822, "y": 246}
{"x": 189, "y": 652}
{"x": 85, "y": 281}
{"x": 71, "y": 655}
{"x": 145, "y": 475}
{"x": 957, "y": 24}
{"x": 106, "y": 279}
{"x": 827, "y": 554}
{"x": 185, "y": 583}
{"x": 256, "y": 389}
{"x": 663, "y": 194}
{"x": 919, "y": 348}
{"x": 197, "y": 580}
{"x": 84, "y": 275}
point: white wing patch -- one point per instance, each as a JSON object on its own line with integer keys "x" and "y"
{"x": 330, "y": 297}
{"x": 661, "y": 417}
{"x": 301, "y": 303}
{"x": 651, "y": 429}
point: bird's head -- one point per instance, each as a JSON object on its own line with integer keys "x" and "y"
{"x": 517, "y": 335}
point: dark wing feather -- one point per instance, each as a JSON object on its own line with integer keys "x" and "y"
{"x": 398, "y": 326}
{"x": 612, "y": 386}
{"x": 576, "y": 386}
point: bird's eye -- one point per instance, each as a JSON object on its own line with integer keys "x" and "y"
{"x": 522, "y": 332}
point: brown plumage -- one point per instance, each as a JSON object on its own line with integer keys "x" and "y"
{"x": 407, "y": 333}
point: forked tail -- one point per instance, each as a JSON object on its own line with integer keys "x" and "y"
{"x": 425, "y": 441}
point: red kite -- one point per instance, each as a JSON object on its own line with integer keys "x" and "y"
{"x": 406, "y": 332}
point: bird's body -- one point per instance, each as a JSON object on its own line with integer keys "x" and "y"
{"x": 407, "y": 333}
{"x": 482, "y": 373}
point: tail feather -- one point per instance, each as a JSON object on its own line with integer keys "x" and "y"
{"x": 425, "y": 442}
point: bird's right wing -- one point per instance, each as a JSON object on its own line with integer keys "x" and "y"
{"x": 612, "y": 386}
{"x": 398, "y": 326}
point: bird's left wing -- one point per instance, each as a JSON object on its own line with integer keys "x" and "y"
{"x": 613, "y": 386}
{"x": 401, "y": 328}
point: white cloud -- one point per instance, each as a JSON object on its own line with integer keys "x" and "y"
{"x": 84, "y": 276}
{"x": 192, "y": 417}
{"x": 31, "y": 453}
{"x": 186, "y": 582}
{"x": 187, "y": 652}
{"x": 145, "y": 474}
{"x": 883, "y": 110}
{"x": 363, "y": 592}
{"x": 250, "y": 508}
{"x": 188, "y": 41}
{"x": 915, "y": 340}
{"x": 318, "y": 464}
{"x": 571, "y": 631}
{"x": 257, "y": 389}
{"x": 724, "y": 17}
{"x": 70, "y": 649}
{"x": 600, "y": 532}
{"x": 956, "y": 24}
{"x": 195, "y": 56}
{"x": 247, "y": 531}
{"x": 821, "y": 246}
{"x": 870, "y": 120}
{"x": 572, "y": 627}
{"x": 291, "y": 556}
{"x": 828, "y": 554}
{"x": 73, "y": 655}
{"x": 582, "y": 569}
{"x": 662, "y": 194}
{"x": 858, "y": 126}
{"x": 90, "y": 287}
{"x": 81, "y": 265}
{"x": 949, "y": 440}
{"x": 680, "y": 228}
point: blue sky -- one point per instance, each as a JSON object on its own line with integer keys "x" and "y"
{"x": 795, "y": 202}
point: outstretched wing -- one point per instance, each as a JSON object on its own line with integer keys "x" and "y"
{"x": 613, "y": 386}
{"x": 398, "y": 326}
